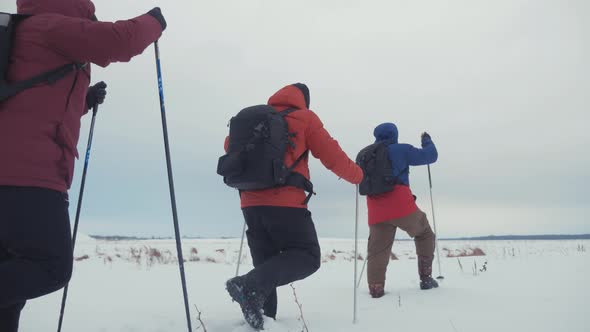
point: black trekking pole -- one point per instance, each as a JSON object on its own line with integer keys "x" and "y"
{"x": 171, "y": 184}
{"x": 440, "y": 277}
{"x": 78, "y": 209}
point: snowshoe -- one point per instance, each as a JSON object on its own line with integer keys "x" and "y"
{"x": 250, "y": 300}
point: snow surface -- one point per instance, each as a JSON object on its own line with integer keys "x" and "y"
{"x": 132, "y": 286}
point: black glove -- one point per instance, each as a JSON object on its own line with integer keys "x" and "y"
{"x": 96, "y": 94}
{"x": 157, "y": 14}
{"x": 426, "y": 139}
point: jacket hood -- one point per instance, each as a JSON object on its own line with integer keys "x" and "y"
{"x": 294, "y": 95}
{"x": 386, "y": 131}
{"x": 71, "y": 8}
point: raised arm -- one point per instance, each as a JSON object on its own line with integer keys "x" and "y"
{"x": 102, "y": 43}
{"x": 426, "y": 155}
{"x": 328, "y": 151}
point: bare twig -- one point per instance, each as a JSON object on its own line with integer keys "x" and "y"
{"x": 301, "y": 318}
{"x": 399, "y": 300}
{"x": 460, "y": 265}
{"x": 453, "y": 325}
{"x": 200, "y": 320}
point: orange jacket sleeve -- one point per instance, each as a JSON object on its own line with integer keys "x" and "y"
{"x": 328, "y": 151}
{"x": 226, "y": 144}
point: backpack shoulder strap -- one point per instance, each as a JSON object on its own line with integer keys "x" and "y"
{"x": 8, "y": 90}
{"x": 388, "y": 142}
{"x": 301, "y": 157}
{"x": 287, "y": 112}
{"x": 296, "y": 179}
{"x": 17, "y": 18}
{"x": 49, "y": 77}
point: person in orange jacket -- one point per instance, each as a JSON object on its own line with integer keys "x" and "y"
{"x": 281, "y": 233}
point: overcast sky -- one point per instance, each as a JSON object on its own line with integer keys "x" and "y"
{"x": 502, "y": 86}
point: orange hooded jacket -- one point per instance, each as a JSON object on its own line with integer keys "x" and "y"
{"x": 310, "y": 135}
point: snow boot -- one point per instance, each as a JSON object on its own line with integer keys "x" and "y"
{"x": 428, "y": 283}
{"x": 425, "y": 266}
{"x": 376, "y": 290}
{"x": 425, "y": 271}
{"x": 250, "y": 300}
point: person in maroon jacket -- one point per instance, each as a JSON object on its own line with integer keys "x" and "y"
{"x": 39, "y": 131}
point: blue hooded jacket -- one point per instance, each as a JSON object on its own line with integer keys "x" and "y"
{"x": 404, "y": 155}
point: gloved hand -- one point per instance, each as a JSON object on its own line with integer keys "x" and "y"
{"x": 157, "y": 14}
{"x": 426, "y": 139}
{"x": 96, "y": 94}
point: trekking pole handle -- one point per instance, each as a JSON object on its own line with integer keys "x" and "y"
{"x": 429, "y": 177}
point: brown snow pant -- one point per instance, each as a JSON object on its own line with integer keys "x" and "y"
{"x": 381, "y": 240}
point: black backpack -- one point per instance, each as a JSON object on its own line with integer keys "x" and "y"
{"x": 378, "y": 171}
{"x": 8, "y": 23}
{"x": 258, "y": 140}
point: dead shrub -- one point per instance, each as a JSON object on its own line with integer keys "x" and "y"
{"x": 194, "y": 257}
{"x": 469, "y": 252}
{"x": 478, "y": 252}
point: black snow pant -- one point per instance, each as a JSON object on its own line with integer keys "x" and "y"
{"x": 284, "y": 247}
{"x": 35, "y": 248}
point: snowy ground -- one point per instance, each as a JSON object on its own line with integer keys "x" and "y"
{"x": 135, "y": 286}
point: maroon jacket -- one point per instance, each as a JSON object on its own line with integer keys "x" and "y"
{"x": 40, "y": 127}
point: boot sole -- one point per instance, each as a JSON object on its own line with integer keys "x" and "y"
{"x": 253, "y": 318}
{"x": 427, "y": 288}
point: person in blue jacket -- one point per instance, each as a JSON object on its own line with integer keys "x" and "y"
{"x": 398, "y": 209}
